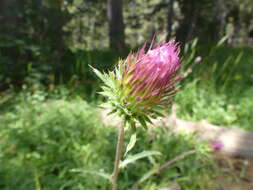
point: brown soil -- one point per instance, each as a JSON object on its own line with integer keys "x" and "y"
{"x": 237, "y": 174}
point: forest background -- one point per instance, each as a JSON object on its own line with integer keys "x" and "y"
{"x": 49, "y": 123}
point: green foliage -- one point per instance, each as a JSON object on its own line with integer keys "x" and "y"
{"x": 78, "y": 71}
{"x": 39, "y": 40}
{"x": 32, "y": 41}
{"x": 218, "y": 89}
{"x": 197, "y": 101}
{"x": 170, "y": 145}
{"x": 49, "y": 143}
{"x": 87, "y": 26}
{"x": 48, "y": 138}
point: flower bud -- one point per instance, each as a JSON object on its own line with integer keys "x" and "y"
{"x": 143, "y": 82}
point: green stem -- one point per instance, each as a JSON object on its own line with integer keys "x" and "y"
{"x": 118, "y": 157}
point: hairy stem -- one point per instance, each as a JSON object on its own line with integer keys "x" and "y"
{"x": 118, "y": 157}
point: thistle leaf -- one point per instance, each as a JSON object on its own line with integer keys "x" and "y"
{"x": 119, "y": 71}
{"x": 131, "y": 143}
{"x": 106, "y": 78}
{"x": 157, "y": 113}
{"x": 112, "y": 112}
{"x": 111, "y": 82}
{"x": 132, "y": 125}
{"x": 142, "y": 122}
{"x": 132, "y": 159}
{"x": 98, "y": 73}
{"x": 146, "y": 118}
{"x": 106, "y": 93}
{"x": 105, "y": 105}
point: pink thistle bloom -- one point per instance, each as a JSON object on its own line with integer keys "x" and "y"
{"x": 217, "y": 145}
{"x": 140, "y": 85}
{"x": 148, "y": 78}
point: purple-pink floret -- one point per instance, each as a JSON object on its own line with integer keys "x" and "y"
{"x": 150, "y": 76}
{"x": 217, "y": 145}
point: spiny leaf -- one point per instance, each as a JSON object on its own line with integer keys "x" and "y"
{"x": 98, "y": 73}
{"x": 106, "y": 93}
{"x": 104, "y": 77}
{"x": 112, "y": 82}
{"x": 105, "y": 105}
{"x": 106, "y": 88}
{"x": 142, "y": 122}
{"x": 146, "y": 118}
{"x": 113, "y": 111}
{"x": 157, "y": 113}
{"x": 119, "y": 71}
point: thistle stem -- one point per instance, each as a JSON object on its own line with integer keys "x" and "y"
{"x": 118, "y": 157}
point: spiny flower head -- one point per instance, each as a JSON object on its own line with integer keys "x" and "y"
{"x": 143, "y": 83}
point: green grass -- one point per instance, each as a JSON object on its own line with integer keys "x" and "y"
{"x": 43, "y": 139}
{"x": 201, "y": 102}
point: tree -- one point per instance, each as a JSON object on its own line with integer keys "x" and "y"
{"x": 187, "y": 24}
{"x": 116, "y": 24}
{"x": 9, "y": 18}
{"x": 170, "y": 19}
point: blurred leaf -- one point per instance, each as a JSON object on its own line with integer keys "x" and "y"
{"x": 134, "y": 158}
{"x": 94, "y": 172}
{"x": 222, "y": 40}
{"x": 142, "y": 122}
{"x": 131, "y": 143}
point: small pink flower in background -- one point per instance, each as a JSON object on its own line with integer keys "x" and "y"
{"x": 198, "y": 59}
{"x": 217, "y": 145}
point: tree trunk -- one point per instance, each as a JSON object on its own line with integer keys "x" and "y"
{"x": 116, "y": 24}
{"x": 170, "y": 20}
{"x": 220, "y": 19}
{"x": 9, "y": 16}
{"x": 186, "y": 26}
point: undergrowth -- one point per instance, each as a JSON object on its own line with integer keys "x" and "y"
{"x": 44, "y": 140}
{"x": 220, "y": 87}
{"x": 199, "y": 102}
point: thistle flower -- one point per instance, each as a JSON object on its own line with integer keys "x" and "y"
{"x": 143, "y": 83}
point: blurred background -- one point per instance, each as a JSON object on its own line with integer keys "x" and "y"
{"x": 49, "y": 123}
{"x": 56, "y": 37}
